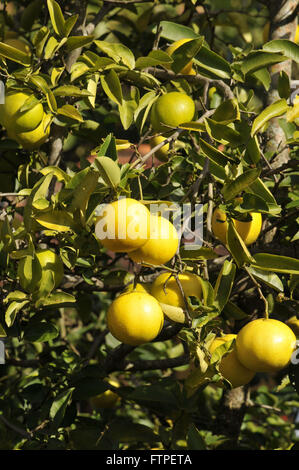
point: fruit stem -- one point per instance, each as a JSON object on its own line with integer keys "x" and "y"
{"x": 262, "y": 297}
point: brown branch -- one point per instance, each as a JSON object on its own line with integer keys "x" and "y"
{"x": 162, "y": 364}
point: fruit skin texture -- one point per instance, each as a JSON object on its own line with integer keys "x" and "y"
{"x": 265, "y": 345}
{"x": 127, "y": 225}
{"x": 161, "y": 246}
{"x": 135, "y": 318}
{"x": 162, "y": 153}
{"x": 144, "y": 287}
{"x": 171, "y": 295}
{"x": 173, "y": 47}
{"x": 14, "y": 120}
{"x": 248, "y": 231}
{"x": 107, "y": 399}
{"x": 230, "y": 366}
{"x": 34, "y": 139}
{"x": 172, "y": 109}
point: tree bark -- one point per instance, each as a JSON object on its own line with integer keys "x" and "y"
{"x": 283, "y": 23}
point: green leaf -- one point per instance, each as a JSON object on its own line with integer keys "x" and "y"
{"x": 92, "y": 87}
{"x": 120, "y": 53}
{"x": 70, "y": 90}
{"x": 259, "y": 188}
{"x": 57, "y": 298}
{"x": 231, "y": 189}
{"x": 76, "y": 42}
{"x": 195, "y": 440}
{"x": 71, "y": 112}
{"x": 112, "y": 87}
{"x": 40, "y": 331}
{"x": 288, "y": 48}
{"x": 275, "y": 109}
{"x": 52, "y": 47}
{"x": 109, "y": 170}
{"x": 284, "y": 88}
{"x": 276, "y": 263}
{"x": 211, "y": 64}
{"x": 153, "y": 59}
{"x": 224, "y": 284}
{"x": 260, "y": 59}
{"x": 15, "y": 55}
{"x": 232, "y": 310}
{"x": 69, "y": 24}
{"x": 197, "y": 253}
{"x": 253, "y": 203}
{"x": 223, "y": 133}
{"x": 185, "y": 53}
{"x": 142, "y": 111}
{"x": 252, "y": 153}
{"x": 268, "y": 278}
{"x": 59, "y": 405}
{"x": 39, "y": 40}
{"x": 40, "y": 83}
{"x": 128, "y": 106}
{"x": 214, "y": 154}
{"x": 227, "y": 112}
{"x": 237, "y": 247}
{"x": 12, "y": 310}
{"x": 56, "y": 17}
{"x": 264, "y": 77}
{"x": 175, "y": 31}
{"x": 51, "y": 101}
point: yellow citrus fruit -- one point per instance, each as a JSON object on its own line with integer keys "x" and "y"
{"x": 166, "y": 290}
{"x": 162, "y": 153}
{"x": 135, "y": 318}
{"x": 293, "y": 323}
{"x": 265, "y": 345}
{"x": 33, "y": 139}
{"x": 107, "y": 399}
{"x": 161, "y": 246}
{"x": 123, "y": 225}
{"x": 18, "y": 44}
{"x": 248, "y": 231}
{"x": 296, "y": 39}
{"x": 172, "y": 109}
{"x": 139, "y": 287}
{"x": 16, "y": 120}
{"x": 230, "y": 366}
{"x": 173, "y": 47}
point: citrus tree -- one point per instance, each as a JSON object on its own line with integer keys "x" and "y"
{"x": 127, "y": 328}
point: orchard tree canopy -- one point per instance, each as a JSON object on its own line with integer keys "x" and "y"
{"x": 178, "y": 331}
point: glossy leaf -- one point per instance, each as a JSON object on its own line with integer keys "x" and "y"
{"x": 185, "y": 53}
{"x": 16, "y": 55}
{"x": 288, "y": 48}
{"x": 231, "y": 189}
{"x": 153, "y": 59}
{"x": 224, "y": 284}
{"x": 109, "y": 170}
{"x": 214, "y": 154}
{"x": 71, "y": 112}
{"x": 211, "y": 64}
{"x": 112, "y": 87}
{"x": 273, "y": 110}
{"x": 175, "y": 31}
{"x": 268, "y": 278}
{"x": 56, "y": 16}
{"x": 276, "y": 263}
{"x": 76, "y": 42}
{"x": 227, "y": 112}
{"x": 259, "y": 59}
{"x": 237, "y": 247}
{"x": 118, "y": 52}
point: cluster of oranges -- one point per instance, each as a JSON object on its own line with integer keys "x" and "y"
{"x": 262, "y": 345}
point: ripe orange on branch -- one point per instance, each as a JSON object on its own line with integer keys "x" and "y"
{"x": 135, "y": 318}
{"x": 123, "y": 225}
{"x": 230, "y": 366}
{"x": 248, "y": 230}
{"x": 265, "y": 345}
{"x": 172, "y": 109}
{"x": 162, "y": 244}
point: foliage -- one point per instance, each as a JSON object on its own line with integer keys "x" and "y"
{"x": 98, "y": 70}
